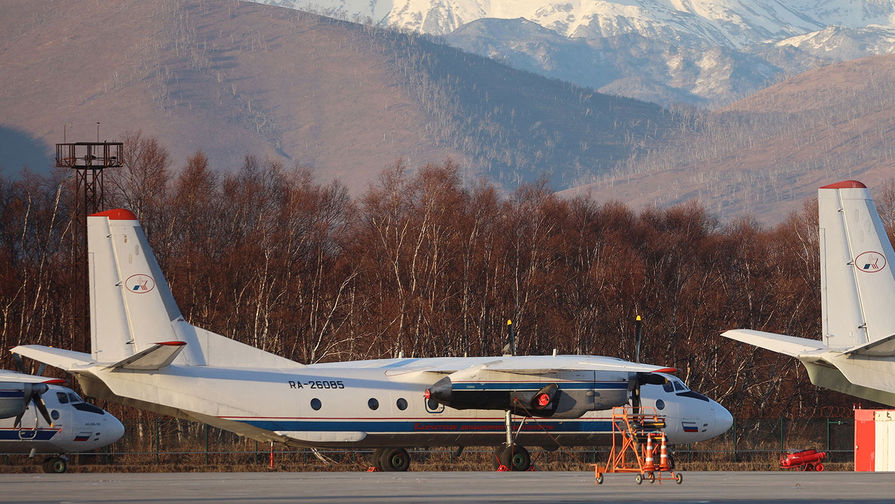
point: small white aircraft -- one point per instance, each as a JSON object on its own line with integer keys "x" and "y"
{"x": 60, "y": 421}
{"x": 146, "y": 355}
{"x": 857, "y": 287}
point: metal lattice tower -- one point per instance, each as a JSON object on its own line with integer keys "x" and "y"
{"x": 87, "y": 160}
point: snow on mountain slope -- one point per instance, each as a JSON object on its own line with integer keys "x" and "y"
{"x": 703, "y": 52}
{"x": 843, "y": 44}
{"x": 731, "y": 23}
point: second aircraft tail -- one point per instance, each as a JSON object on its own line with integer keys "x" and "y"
{"x": 856, "y": 260}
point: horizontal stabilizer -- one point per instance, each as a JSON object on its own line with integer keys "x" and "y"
{"x": 63, "y": 359}
{"x": 880, "y": 348}
{"x": 153, "y": 358}
{"x": 787, "y": 345}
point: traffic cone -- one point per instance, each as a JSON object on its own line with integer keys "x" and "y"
{"x": 648, "y": 462}
{"x": 663, "y": 457}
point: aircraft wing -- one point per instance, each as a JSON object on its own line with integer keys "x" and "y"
{"x": 14, "y": 377}
{"x": 549, "y": 364}
{"x": 528, "y": 364}
{"x": 780, "y": 343}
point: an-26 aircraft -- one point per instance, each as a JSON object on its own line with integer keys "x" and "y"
{"x": 38, "y": 415}
{"x": 856, "y": 355}
{"x": 144, "y": 354}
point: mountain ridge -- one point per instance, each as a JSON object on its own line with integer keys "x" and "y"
{"x": 672, "y": 39}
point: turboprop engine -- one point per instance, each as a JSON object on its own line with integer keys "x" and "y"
{"x": 559, "y": 394}
{"x": 15, "y": 400}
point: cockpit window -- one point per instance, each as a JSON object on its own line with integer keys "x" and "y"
{"x": 63, "y": 399}
{"x": 668, "y": 387}
{"x": 679, "y": 386}
{"x": 74, "y": 397}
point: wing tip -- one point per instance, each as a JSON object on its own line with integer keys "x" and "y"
{"x": 116, "y": 214}
{"x": 845, "y": 184}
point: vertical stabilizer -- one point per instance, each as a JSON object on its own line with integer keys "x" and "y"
{"x": 856, "y": 259}
{"x": 131, "y": 306}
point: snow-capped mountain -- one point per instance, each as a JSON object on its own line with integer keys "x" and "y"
{"x": 698, "y": 51}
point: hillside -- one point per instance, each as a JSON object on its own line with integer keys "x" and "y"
{"x": 766, "y": 154}
{"x": 235, "y": 79}
{"x": 707, "y": 53}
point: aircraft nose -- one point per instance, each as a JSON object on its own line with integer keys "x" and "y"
{"x": 115, "y": 430}
{"x": 723, "y": 418}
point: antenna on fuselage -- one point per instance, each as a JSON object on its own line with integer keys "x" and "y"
{"x": 638, "y": 337}
{"x": 510, "y": 347}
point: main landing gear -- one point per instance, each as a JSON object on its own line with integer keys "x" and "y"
{"x": 512, "y": 456}
{"x": 391, "y": 459}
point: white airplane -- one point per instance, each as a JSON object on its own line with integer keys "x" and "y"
{"x": 146, "y": 355}
{"x": 857, "y": 287}
{"x": 60, "y": 421}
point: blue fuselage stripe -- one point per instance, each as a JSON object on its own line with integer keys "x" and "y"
{"x": 13, "y": 435}
{"x": 390, "y": 426}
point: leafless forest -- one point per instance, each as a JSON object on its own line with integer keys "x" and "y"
{"x": 426, "y": 264}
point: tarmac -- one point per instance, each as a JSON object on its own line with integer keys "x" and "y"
{"x": 443, "y": 487}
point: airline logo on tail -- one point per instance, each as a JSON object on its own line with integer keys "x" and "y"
{"x": 140, "y": 283}
{"x": 870, "y": 262}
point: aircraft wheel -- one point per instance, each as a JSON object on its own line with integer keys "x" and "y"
{"x": 515, "y": 457}
{"x": 55, "y": 465}
{"x": 394, "y": 460}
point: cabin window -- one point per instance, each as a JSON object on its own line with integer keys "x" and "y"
{"x": 373, "y": 403}
{"x": 432, "y": 404}
{"x": 401, "y": 403}
{"x": 63, "y": 399}
{"x": 54, "y": 415}
{"x": 660, "y": 404}
{"x": 316, "y": 404}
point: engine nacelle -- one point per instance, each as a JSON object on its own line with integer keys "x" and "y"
{"x": 564, "y": 394}
{"x": 13, "y": 399}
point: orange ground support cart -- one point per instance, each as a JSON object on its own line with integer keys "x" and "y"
{"x": 636, "y": 435}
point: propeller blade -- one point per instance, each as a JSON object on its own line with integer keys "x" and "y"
{"x": 41, "y": 369}
{"x": 42, "y": 407}
{"x": 18, "y": 421}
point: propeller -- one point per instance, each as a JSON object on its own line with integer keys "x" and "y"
{"x": 33, "y": 391}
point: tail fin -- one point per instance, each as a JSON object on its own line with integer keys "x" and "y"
{"x": 856, "y": 258}
{"x": 132, "y": 309}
